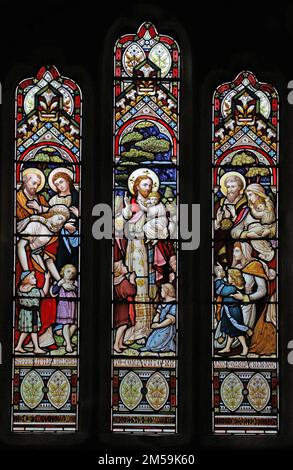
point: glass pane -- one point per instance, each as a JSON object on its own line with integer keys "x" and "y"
{"x": 47, "y": 253}
{"x": 145, "y": 200}
{"x": 245, "y": 257}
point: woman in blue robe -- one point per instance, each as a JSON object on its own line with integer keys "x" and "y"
{"x": 162, "y": 338}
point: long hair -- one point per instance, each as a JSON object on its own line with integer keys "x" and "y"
{"x": 65, "y": 176}
{"x": 246, "y": 250}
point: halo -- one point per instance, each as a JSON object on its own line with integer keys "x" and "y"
{"x": 53, "y": 173}
{"x": 228, "y": 175}
{"x": 39, "y": 173}
{"x": 143, "y": 172}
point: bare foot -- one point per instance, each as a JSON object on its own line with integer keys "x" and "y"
{"x": 69, "y": 349}
{"x": 244, "y": 352}
{"x": 118, "y": 351}
{"x": 224, "y": 351}
{"x": 39, "y": 351}
{"x": 20, "y": 350}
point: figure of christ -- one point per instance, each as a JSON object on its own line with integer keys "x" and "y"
{"x": 150, "y": 264}
{"x": 136, "y": 257}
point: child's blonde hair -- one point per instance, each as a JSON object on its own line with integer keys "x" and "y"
{"x": 237, "y": 277}
{"x": 170, "y": 289}
{"x": 68, "y": 266}
{"x": 155, "y": 194}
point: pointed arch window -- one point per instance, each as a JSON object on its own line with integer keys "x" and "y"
{"x": 245, "y": 257}
{"x": 145, "y": 200}
{"x": 47, "y": 253}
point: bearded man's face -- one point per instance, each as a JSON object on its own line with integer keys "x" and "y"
{"x": 32, "y": 184}
{"x": 233, "y": 190}
{"x": 145, "y": 187}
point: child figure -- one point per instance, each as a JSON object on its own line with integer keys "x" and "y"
{"x": 29, "y": 322}
{"x": 124, "y": 295}
{"x": 232, "y": 323}
{"x": 156, "y": 226}
{"x": 66, "y": 290}
{"x": 161, "y": 339}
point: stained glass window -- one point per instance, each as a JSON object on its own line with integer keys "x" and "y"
{"x": 245, "y": 257}
{"x": 145, "y": 199}
{"x": 47, "y": 251}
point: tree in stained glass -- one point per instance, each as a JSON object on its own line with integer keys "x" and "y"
{"x": 245, "y": 257}
{"x": 145, "y": 199}
{"x": 47, "y": 252}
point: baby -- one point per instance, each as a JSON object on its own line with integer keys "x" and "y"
{"x": 156, "y": 226}
{"x": 267, "y": 225}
